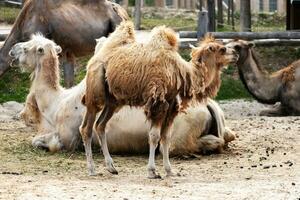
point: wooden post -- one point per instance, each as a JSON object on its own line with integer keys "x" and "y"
{"x": 137, "y": 15}
{"x": 211, "y": 15}
{"x": 232, "y": 14}
{"x": 220, "y": 14}
{"x": 200, "y": 5}
{"x": 228, "y": 12}
{"x": 202, "y": 24}
{"x": 245, "y": 17}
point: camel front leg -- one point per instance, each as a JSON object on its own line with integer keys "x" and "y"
{"x": 100, "y": 125}
{"x": 86, "y": 130}
{"x": 165, "y": 142}
{"x": 154, "y": 137}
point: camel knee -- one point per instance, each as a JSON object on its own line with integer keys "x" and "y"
{"x": 211, "y": 143}
{"x": 229, "y": 135}
{"x": 154, "y": 135}
{"x": 50, "y": 142}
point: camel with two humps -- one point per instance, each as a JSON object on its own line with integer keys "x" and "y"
{"x": 152, "y": 76}
{"x": 57, "y": 112}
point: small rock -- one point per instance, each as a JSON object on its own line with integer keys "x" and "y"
{"x": 293, "y": 184}
{"x": 266, "y": 167}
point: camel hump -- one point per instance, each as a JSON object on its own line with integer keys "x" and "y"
{"x": 127, "y": 27}
{"x": 166, "y": 37}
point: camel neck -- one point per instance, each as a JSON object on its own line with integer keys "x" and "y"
{"x": 259, "y": 83}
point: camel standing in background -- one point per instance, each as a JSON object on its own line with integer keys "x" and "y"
{"x": 72, "y": 24}
{"x": 201, "y": 130}
{"x": 282, "y": 86}
{"x": 151, "y": 76}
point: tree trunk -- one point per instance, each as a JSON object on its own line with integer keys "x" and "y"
{"x": 245, "y": 15}
{"x": 232, "y": 14}
{"x": 228, "y": 12}
{"x": 220, "y": 14}
{"x": 137, "y": 15}
{"x": 211, "y": 15}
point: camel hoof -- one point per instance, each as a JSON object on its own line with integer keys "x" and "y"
{"x": 152, "y": 175}
{"x": 171, "y": 174}
{"x": 92, "y": 173}
{"x": 112, "y": 169}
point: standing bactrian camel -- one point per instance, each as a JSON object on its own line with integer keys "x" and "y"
{"x": 152, "y": 76}
{"x": 202, "y": 129}
{"x": 72, "y": 24}
{"x": 282, "y": 86}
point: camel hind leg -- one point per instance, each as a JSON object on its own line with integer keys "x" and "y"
{"x": 86, "y": 130}
{"x": 100, "y": 125}
{"x": 166, "y": 133}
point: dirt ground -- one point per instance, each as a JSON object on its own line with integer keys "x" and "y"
{"x": 262, "y": 163}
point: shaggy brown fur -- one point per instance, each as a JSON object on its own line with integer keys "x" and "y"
{"x": 150, "y": 75}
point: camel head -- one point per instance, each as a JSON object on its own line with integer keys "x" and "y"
{"x": 210, "y": 56}
{"x": 31, "y": 54}
{"x": 242, "y": 47}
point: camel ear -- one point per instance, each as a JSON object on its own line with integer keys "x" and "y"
{"x": 58, "y": 49}
{"x": 251, "y": 44}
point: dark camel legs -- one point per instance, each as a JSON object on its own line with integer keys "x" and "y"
{"x": 69, "y": 66}
{"x": 277, "y": 110}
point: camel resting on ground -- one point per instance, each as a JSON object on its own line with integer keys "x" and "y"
{"x": 281, "y": 88}
{"x": 58, "y": 113}
{"x": 72, "y": 24}
{"x": 152, "y": 76}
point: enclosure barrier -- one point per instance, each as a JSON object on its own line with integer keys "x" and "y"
{"x": 185, "y": 44}
{"x": 245, "y": 35}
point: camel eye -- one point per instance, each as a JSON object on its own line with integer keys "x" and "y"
{"x": 200, "y": 59}
{"x": 40, "y": 50}
{"x": 25, "y": 50}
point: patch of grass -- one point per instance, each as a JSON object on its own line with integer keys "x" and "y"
{"x": 232, "y": 89}
{"x": 175, "y": 23}
{"x": 14, "y": 86}
{"x": 8, "y": 15}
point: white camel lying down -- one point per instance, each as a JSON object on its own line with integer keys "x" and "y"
{"x": 58, "y": 112}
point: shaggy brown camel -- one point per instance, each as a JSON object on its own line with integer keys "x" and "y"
{"x": 73, "y": 24}
{"x": 58, "y": 113}
{"x": 152, "y": 76}
{"x": 281, "y": 86}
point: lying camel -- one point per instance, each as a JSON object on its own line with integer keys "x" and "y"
{"x": 56, "y": 19}
{"x": 152, "y": 76}
{"x": 58, "y": 113}
{"x": 281, "y": 86}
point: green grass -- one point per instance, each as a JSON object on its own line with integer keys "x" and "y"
{"x": 8, "y": 15}
{"x": 175, "y": 23}
{"x": 232, "y": 89}
{"x": 14, "y": 86}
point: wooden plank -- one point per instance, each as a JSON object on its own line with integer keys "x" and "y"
{"x": 245, "y": 35}
{"x": 260, "y": 43}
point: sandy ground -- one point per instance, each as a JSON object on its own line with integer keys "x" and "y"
{"x": 262, "y": 163}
